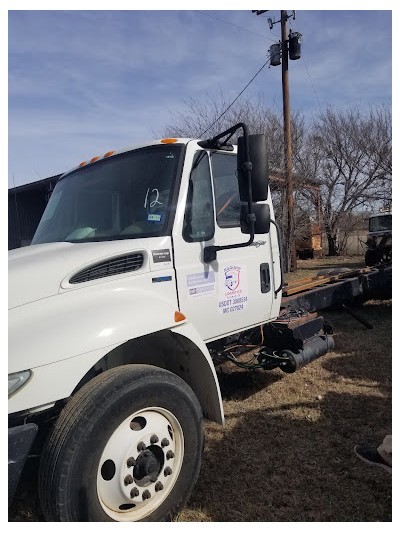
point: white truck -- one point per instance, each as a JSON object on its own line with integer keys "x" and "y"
{"x": 146, "y": 261}
{"x": 379, "y": 239}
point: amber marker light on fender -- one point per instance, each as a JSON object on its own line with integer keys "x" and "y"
{"x": 179, "y": 316}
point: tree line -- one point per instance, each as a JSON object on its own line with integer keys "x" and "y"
{"x": 347, "y": 152}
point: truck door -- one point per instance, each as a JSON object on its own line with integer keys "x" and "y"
{"x": 235, "y": 291}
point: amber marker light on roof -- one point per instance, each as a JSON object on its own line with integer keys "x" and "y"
{"x": 94, "y": 159}
{"x": 108, "y": 154}
{"x": 179, "y": 316}
{"x": 83, "y": 163}
{"x": 169, "y": 141}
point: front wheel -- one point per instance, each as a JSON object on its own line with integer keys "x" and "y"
{"x": 127, "y": 447}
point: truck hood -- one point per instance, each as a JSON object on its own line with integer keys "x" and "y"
{"x": 38, "y": 271}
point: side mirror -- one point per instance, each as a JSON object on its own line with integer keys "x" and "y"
{"x": 263, "y": 218}
{"x": 260, "y": 170}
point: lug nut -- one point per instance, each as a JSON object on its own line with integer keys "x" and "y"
{"x": 146, "y": 495}
{"x": 167, "y": 471}
{"x": 159, "y": 486}
{"x": 141, "y": 446}
{"x": 134, "y": 492}
{"x": 153, "y": 439}
{"x": 128, "y": 480}
{"x": 170, "y": 454}
{"x": 164, "y": 443}
{"x": 153, "y": 479}
{"x": 130, "y": 462}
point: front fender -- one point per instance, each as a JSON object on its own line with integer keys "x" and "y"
{"x": 188, "y": 358}
{"x": 61, "y": 338}
{"x": 91, "y": 319}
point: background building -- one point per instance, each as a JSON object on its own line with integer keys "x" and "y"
{"x": 26, "y": 204}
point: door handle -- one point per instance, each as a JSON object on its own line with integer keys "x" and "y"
{"x": 265, "y": 278}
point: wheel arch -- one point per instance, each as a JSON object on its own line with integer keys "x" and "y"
{"x": 171, "y": 351}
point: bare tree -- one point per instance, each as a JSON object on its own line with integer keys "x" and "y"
{"x": 347, "y": 152}
{"x": 350, "y": 153}
{"x": 206, "y": 118}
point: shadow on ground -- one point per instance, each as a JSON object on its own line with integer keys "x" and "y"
{"x": 270, "y": 467}
{"x": 363, "y": 354}
{"x": 239, "y": 385}
{"x": 286, "y": 454}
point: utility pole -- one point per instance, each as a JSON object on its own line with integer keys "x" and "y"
{"x": 287, "y": 48}
{"x": 291, "y": 261}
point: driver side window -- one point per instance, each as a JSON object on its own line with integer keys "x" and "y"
{"x": 226, "y": 187}
{"x": 199, "y": 214}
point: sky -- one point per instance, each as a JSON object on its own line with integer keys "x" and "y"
{"x": 83, "y": 82}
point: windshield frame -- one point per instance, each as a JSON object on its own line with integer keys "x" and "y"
{"x": 170, "y": 215}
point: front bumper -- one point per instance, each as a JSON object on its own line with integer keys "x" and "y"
{"x": 20, "y": 440}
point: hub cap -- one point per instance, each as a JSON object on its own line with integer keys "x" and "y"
{"x": 140, "y": 464}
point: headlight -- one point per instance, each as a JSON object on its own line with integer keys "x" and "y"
{"x": 15, "y": 381}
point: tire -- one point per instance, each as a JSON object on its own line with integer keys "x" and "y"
{"x": 127, "y": 447}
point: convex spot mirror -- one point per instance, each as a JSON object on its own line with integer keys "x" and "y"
{"x": 263, "y": 218}
{"x": 260, "y": 171}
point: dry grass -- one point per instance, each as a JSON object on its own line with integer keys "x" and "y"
{"x": 286, "y": 454}
{"x": 308, "y": 268}
{"x": 287, "y": 451}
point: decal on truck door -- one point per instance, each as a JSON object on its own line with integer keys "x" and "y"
{"x": 201, "y": 284}
{"x": 232, "y": 289}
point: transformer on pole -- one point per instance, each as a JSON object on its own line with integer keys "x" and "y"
{"x": 295, "y": 40}
{"x": 275, "y": 54}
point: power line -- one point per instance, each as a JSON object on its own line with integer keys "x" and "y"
{"x": 241, "y": 92}
{"x": 312, "y": 84}
{"x": 235, "y": 26}
{"x": 309, "y": 75}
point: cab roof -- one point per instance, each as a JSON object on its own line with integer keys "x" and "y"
{"x": 166, "y": 141}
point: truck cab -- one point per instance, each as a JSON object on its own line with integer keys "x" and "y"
{"x": 379, "y": 239}
{"x": 142, "y": 259}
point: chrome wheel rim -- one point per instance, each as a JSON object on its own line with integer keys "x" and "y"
{"x": 140, "y": 464}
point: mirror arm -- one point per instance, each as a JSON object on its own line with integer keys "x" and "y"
{"x": 212, "y": 143}
{"x": 210, "y": 252}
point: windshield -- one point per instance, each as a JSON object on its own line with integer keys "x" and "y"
{"x": 380, "y": 223}
{"x": 126, "y": 196}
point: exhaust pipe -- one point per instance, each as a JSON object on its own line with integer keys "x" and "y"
{"x": 312, "y": 349}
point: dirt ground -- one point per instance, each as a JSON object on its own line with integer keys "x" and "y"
{"x": 286, "y": 454}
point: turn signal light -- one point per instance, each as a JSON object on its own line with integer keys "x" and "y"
{"x": 83, "y": 163}
{"x": 94, "y": 159}
{"x": 169, "y": 141}
{"x": 108, "y": 154}
{"x": 179, "y": 316}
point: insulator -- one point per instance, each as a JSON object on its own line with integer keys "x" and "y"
{"x": 275, "y": 54}
{"x": 295, "y": 39}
